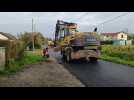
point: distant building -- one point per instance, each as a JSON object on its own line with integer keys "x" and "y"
{"x": 114, "y": 36}
{"x": 5, "y": 55}
{"x": 6, "y": 36}
{"x": 118, "y": 38}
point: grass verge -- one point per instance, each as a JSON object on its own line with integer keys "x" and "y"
{"x": 17, "y": 65}
{"x": 117, "y": 60}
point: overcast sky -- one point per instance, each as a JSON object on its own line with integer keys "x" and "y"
{"x": 16, "y": 22}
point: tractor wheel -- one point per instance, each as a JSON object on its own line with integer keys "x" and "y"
{"x": 68, "y": 58}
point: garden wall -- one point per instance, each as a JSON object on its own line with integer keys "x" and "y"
{"x": 2, "y": 57}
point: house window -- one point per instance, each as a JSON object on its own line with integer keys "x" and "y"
{"x": 121, "y": 36}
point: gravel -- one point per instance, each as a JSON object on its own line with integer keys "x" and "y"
{"x": 43, "y": 74}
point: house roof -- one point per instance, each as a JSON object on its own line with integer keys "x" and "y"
{"x": 9, "y": 36}
{"x": 110, "y": 33}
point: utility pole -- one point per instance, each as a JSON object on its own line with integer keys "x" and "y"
{"x": 32, "y": 35}
{"x": 126, "y": 30}
{"x": 35, "y": 28}
{"x": 102, "y": 29}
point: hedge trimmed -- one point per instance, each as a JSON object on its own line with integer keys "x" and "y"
{"x": 108, "y": 42}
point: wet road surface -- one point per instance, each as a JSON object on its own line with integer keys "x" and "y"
{"x": 100, "y": 74}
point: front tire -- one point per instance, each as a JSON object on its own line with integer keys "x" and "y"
{"x": 68, "y": 58}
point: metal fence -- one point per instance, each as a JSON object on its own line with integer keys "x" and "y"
{"x": 122, "y": 42}
{"x": 2, "y": 57}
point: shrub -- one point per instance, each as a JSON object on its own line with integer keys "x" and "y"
{"x": 108, "y": 42}
{"x": 122, "y": 52}
{"x": 18, "y": 64}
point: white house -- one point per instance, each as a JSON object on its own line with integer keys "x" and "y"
{"x": 114, "y": 36}
{"x": 6, "y": 36}
{"x": 2, "y": 37}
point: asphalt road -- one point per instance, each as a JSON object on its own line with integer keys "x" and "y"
{"x": 100, "y": 74}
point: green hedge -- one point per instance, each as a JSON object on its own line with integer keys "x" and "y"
{"x": 106, "y": 42}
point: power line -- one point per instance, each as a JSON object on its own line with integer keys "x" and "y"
{"x": 83, "y": 15}
{"x": 122, "y": 15}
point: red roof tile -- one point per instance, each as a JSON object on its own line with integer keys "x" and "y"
{"x": 109, "y": 34}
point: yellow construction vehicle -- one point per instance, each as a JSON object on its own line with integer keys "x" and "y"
{"x": 50, "y": 43}
{"x": 76, "y": 45}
